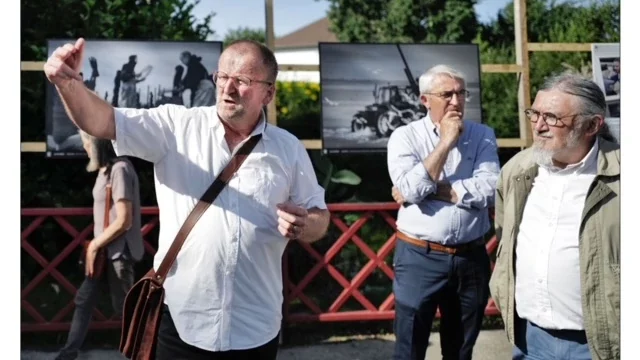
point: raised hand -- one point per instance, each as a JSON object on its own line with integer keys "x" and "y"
{"x": 451, "y": 127}
{"x": 65, "y": 63}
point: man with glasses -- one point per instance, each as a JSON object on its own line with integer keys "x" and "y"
{"x": 224, "y": 292}
{"x": 557, "y": 275}
{"x": 444, "y": 171}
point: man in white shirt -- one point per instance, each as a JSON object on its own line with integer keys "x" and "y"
{"x": 224, "y": 292}
{"x": 557, "y": 275}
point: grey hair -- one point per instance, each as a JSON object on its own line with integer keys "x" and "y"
{"x": 428, "y": 77}
{"x": 591, "y": 98}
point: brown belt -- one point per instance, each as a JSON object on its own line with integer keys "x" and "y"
{"x": 439, "y": 247}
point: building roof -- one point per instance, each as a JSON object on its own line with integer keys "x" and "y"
{"x": 307, "y": 36}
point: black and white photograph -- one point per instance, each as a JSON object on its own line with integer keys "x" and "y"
{"x": 613, "y": 109}
{"x": 134, "y": 74}
{"x": 605, "y": 60}
{"x": 369, "y": 90}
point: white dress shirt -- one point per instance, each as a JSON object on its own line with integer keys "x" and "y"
{"x": 225, "y": 289}
{"x": 547, "y": 248}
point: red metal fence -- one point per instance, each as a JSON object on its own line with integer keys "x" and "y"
{"x": 363, "y": 293}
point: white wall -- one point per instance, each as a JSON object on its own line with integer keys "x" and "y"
{"x": 306, "y": 56}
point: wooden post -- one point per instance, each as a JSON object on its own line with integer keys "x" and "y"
{"x": 270, "y": 35}
{"x": 522, "y": 59}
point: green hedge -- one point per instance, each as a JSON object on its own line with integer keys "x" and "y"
{"x": 298, "y": 108}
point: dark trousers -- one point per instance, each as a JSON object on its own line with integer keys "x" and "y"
{"x": 425, "y": 279}
{"x": 120, "y": 277}
{"x": 171, "y": 347}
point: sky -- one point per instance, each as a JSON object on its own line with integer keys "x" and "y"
{"x": 290, "y": 15}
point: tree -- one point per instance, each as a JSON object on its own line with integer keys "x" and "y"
{"x": 420, "y": 21}
{"x": 547, "y": 21}
{"x": 47, "y": 182}
{"x": 455, "y": 21}
{"x": 245, "y": 33}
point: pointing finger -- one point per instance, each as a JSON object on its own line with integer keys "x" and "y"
{"x": 79, "y": 45}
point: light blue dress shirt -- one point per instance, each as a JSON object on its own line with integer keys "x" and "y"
{"x": 472, "y": 168}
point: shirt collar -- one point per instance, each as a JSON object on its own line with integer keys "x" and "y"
{"x": 431, "y": 127}
{"x": 259, "y": 129}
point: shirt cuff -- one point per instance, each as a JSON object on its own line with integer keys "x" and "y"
{"x": 119, "y": 144}
{"x": 461, "y": 193}
{"x": 430, "y": 185}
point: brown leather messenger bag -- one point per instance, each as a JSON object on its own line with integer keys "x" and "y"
{"x": 143, "y": 303}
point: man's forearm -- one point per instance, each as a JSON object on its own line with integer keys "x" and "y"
{"x": 88, "y": 111}
{"x": 434, "y": 162}
{"x": 446, "y": 193}
{"x": 316, "y": 225}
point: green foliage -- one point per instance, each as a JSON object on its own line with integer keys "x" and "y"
{"x": 108, "y": 19}
{"x": 244, "y": 33}
{"x": 547, "y": 21}
{"x": 298, "y": 108}
{"x": 403, "y": 20}
{"x": 346, "y": 177}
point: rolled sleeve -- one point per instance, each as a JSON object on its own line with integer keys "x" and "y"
{"x": 407, "y": 170}
{"x": 144, "y": 133}
{"x": 306, "y": 191}
{"x": 479, "y": 190}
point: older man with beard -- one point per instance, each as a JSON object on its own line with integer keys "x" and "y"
{"x": 557, "y": 275}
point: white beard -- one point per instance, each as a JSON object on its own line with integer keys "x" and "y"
{"x": 544, "y": 157}
{"x": 541, "y": 156}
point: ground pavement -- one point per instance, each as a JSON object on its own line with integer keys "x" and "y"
{"x": 491, "y": 345}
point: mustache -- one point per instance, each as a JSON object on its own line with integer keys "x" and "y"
{"x": 545, "y": 134}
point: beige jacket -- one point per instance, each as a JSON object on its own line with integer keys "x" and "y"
{"x": 599, "y": 247}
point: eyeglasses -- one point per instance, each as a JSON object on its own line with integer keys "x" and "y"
{"x": 448, "y": 95}
{"x": 220, "y": 79}
{"x": 549, "y": 118}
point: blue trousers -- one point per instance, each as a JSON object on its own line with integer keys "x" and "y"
{"x": 426, "y": 279}
{"x": 536, "y": 343}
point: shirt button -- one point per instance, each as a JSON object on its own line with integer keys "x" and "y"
{"x": 539, "y": 281}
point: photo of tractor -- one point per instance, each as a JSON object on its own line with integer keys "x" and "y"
{"x": 393, "y": 106}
